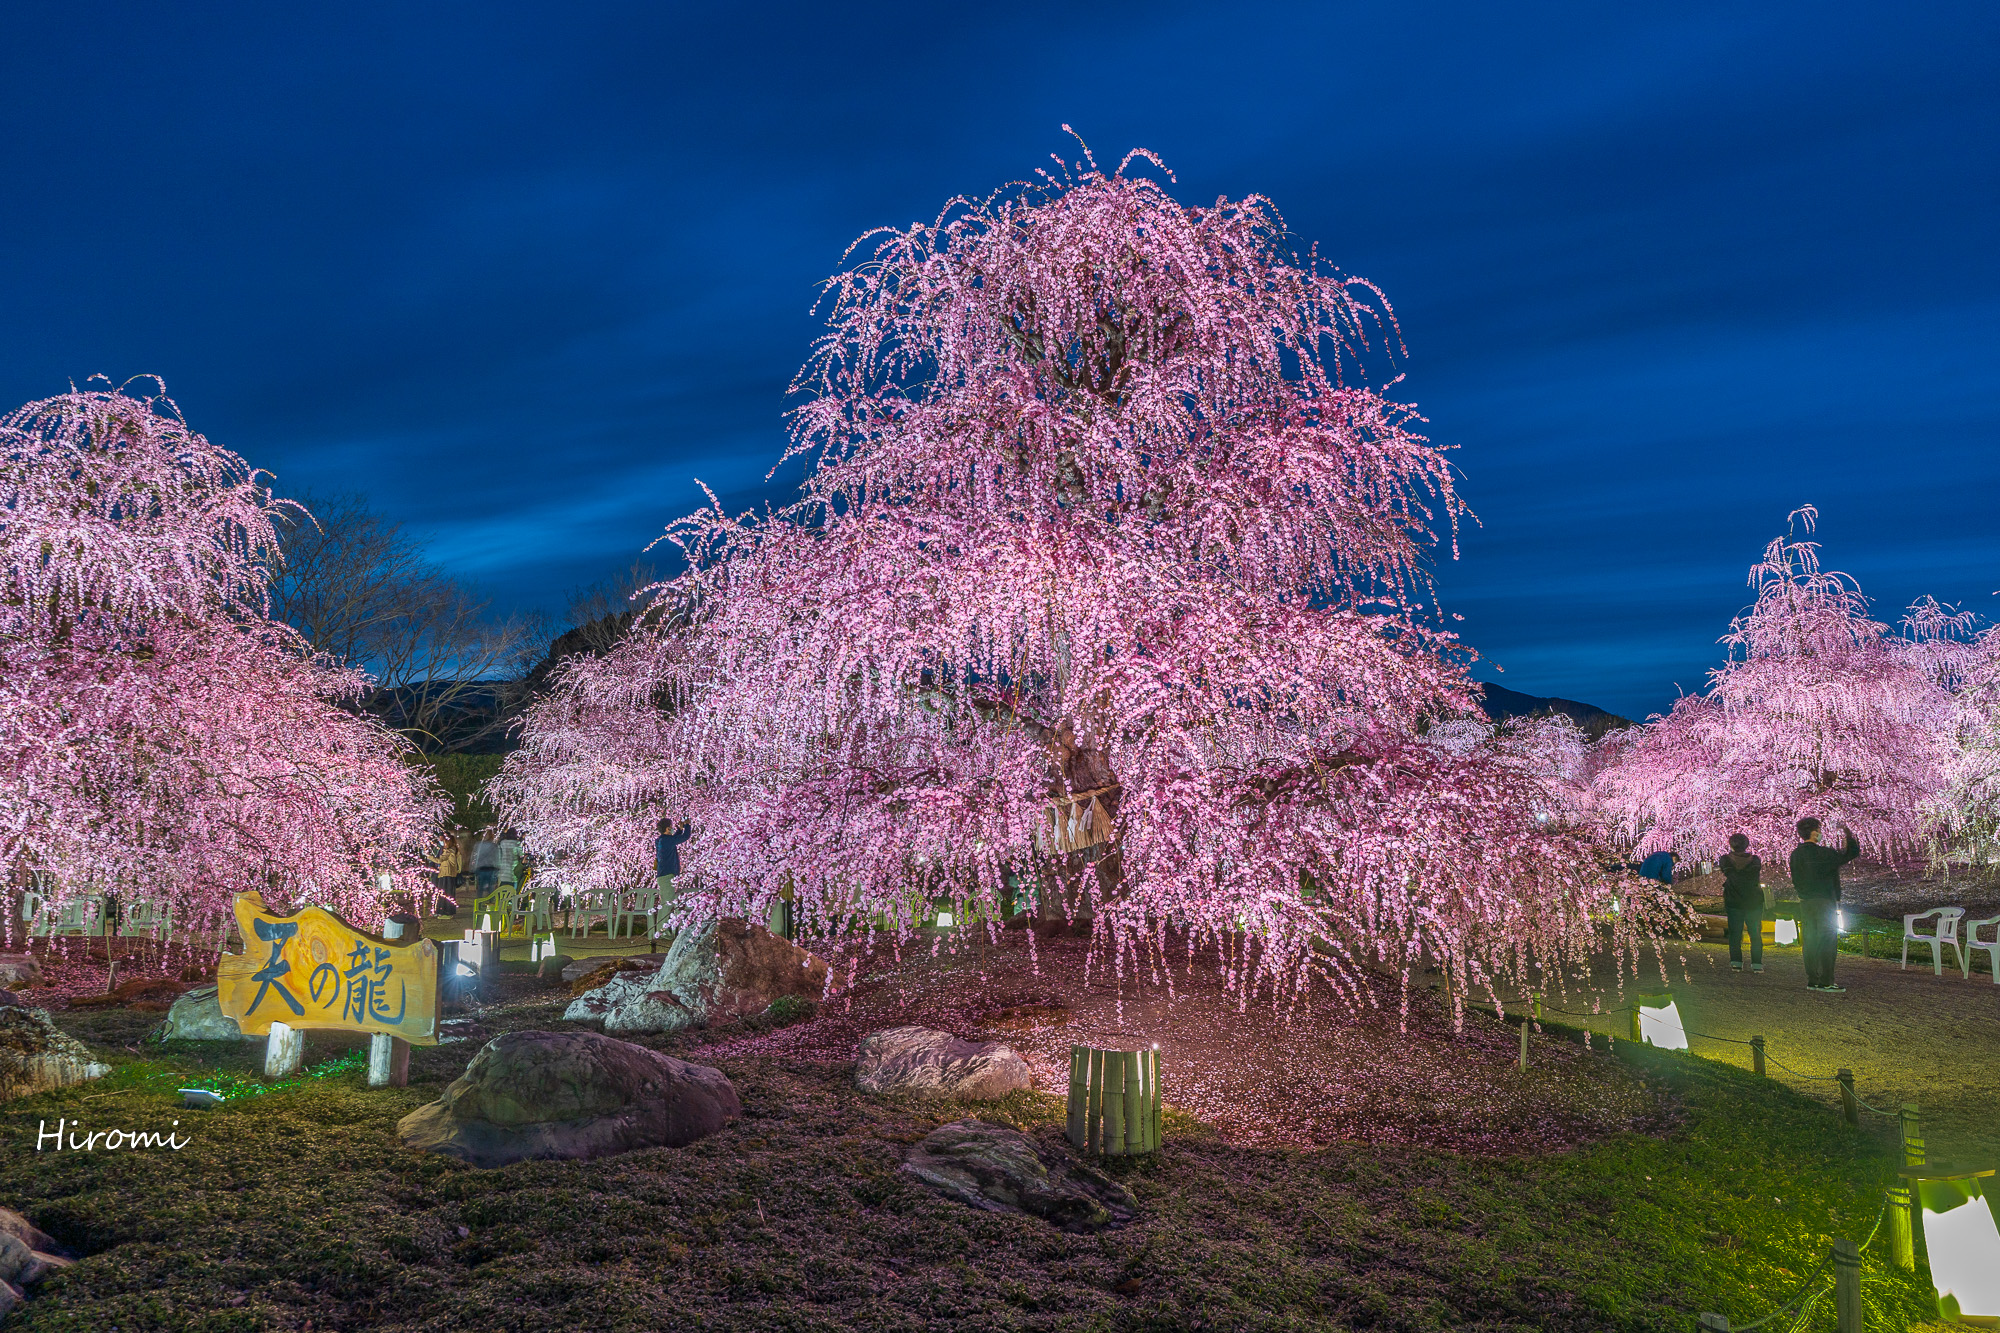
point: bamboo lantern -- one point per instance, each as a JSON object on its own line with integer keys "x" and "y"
{"x": 1114, "y": 1100}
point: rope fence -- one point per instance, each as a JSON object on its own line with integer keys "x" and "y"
{"x": 1843, "y": 1257}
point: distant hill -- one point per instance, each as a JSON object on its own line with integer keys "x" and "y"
{"x": 1501, "y": 702}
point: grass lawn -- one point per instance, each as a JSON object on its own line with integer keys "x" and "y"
{"x": 297, "y": 1209}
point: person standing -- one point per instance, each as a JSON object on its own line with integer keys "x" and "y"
{"x": 1816, "y": 877}
{"x": 485, "y": 870}
{"x": 449, "y": 867}
{"x": 667, "y": 857}
{"x": 1743, "y": 900}
{"x": 510, "y": 858}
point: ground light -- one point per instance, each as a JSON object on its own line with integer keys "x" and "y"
{"x": 1785, "y": 931}
{"x": 1962, "y": 1240}
{"x": 1657, "y": 1021}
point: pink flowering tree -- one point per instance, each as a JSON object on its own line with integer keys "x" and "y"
{"x": 1819, "y": 711}
{"x": 160, "y": 736}
{"x": 1105, "y": 540}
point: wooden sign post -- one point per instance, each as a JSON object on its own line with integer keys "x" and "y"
{"x": 313, "y": 970}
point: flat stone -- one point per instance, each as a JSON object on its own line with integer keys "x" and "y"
{"x": 198, "y": 1016}
{"x": 569, "y": 1095}
{"x": 918, "y": 1059}
{"x": 554, "y": 965}
{"x": 1003, "y": 1170}
{"x": 590, "y": 973}
{"x": 19, "y": 969}
{"x": 727, "y": 970}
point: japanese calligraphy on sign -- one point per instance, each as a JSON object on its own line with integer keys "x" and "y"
{"x": 313, "y": 970}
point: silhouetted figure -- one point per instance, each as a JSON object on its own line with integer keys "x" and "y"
{"x": 1816, "y": 876}
{"x": 1743, "y": 900}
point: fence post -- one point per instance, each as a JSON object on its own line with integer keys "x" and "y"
{"x": 1903, "y": 1195}
{"x": 1847, "y": 1286}
{"x": 1524, "y": 1044}
{"x": 1635, "y": 1020}
{"x": 1848, "y": 1105}
{"x": 1757, "y": 1055}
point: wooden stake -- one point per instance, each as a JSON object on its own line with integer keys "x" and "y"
{"x": 1635, "y": 1020}
{"x": 1913, "y": 1136}
{"x": 1137, "y": 1112}
{"x": 1757, "y": 1055}
{"x": 1847, "y": 1286}
{"x": 1114, "y": 1105}
{"x": 1524, "y": 1045}
{"x": 1079, "y": 1059}
{"x": 1850, "y": 1107}
{"x": 1902, "y": 1243}
{"x": 1093, "y": 1107}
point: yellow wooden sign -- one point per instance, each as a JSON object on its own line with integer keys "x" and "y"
{"x": 313, "y": 970}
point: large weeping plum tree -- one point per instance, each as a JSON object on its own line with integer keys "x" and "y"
{"x": 1101, "y": 521}
{"x": 1819, "y": 711}
{"x": 160, "y": 735}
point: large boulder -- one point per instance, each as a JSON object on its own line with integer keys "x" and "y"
{"x": 569, "y": 1095}
{"x": 916, "y": 1059}
{"x": 145, "y": 994}
{"x": 727, "y": 970}
{"x": 36, "y": 1056}
{"x": 198, "y": 1016}
{"x": 993, "y": 1167}
{"x": 19, "y": 969}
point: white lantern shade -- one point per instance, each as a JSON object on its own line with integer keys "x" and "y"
{"x": 1660, "y": 1025}
{"x": 1964, "y": 1246}
{"x": 1785, "y": 930}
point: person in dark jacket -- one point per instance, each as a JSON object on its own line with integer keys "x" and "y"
{"x": 1660, "y": 866}
{"x": 667, "y": 856}
{"x": 1743, "y": 900}
{"x": 1816, "y": 877}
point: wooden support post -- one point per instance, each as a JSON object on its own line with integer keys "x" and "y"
{"x": 284, "y": 1050}
{"x": 1757, "y": 1055}
{"x": 1847, "y": 1286}
{"x": 1849, "y": 1105}
{"x": 1913, "y": 1136}
{"x": 1524, "y": 1045}
{"x": 388, "y": 1056}
{"x": 388, "y": 1061}
{"x": 1093, "y": 1100}
{"x": 1634, "y": 1011}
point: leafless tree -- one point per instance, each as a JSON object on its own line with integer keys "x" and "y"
{"x": 363, "y": 591}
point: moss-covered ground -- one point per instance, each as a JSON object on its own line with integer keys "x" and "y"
{"x": 298, "y": 1209}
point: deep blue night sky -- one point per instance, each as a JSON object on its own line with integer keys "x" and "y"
{"x": 523, "y": 273}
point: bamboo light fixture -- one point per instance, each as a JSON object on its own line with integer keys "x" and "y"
{"x": 1114, "y": 1100}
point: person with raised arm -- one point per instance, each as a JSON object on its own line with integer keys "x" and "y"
{"x": 1816, "y": 877}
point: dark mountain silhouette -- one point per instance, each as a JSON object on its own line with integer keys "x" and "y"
{"x": 1500, "y": 702}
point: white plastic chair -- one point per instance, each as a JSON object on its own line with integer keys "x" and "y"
{"x": 1945, "y": 932}
{"x": 1973, "y": 944}
{"x": 587, "y": 910}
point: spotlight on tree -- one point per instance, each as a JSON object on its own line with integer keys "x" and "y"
{"x": 1962, "y": 1239}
